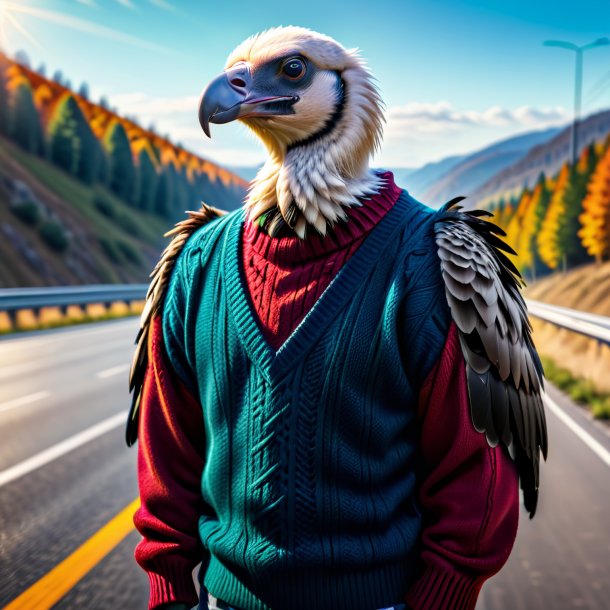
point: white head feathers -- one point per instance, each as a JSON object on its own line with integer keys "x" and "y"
{"x": 310, "y": 178}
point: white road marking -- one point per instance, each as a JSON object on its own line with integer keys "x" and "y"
{"x": 6, "y": 372}
{"x": 115, "y": 370}
{"x": 24, "y": 400}
{"x": 56, "y": 451}
{"x": 580, "y": 432}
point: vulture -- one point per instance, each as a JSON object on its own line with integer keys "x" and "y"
{"x": 316, "y": 108}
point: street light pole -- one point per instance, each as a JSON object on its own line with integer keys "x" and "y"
{"x": 577, "y": 81}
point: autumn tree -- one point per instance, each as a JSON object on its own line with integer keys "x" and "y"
{"x": 549, "y": 246}
{"x": 514, "y": 226}
{"x": 595, "y": 218}
{"x": 531, "y": 219}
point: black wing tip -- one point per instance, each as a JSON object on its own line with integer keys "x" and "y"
{"x": 530, "y": 501}
{"x": 452, "y": 204}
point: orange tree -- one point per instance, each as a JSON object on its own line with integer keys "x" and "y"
{"x": 595, "y": 218}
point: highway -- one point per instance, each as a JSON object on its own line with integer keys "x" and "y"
{"x": 66, "y": 473}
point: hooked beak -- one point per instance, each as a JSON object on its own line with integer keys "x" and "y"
{"x": 231, "y": 96}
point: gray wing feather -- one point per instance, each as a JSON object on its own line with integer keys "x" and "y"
{"x": 154, "y": 302}
{"x": 505, "y": 377}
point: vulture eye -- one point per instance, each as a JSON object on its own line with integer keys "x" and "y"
{"x": 294, "y": 68}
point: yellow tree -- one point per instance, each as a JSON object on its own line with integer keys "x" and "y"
{"x": 595, "y": 219}
{"x": 548, "y": 238}
{"x": 514, "y": 225}
{"x": 532, "y": 214}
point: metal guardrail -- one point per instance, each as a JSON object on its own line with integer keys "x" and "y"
{"x": 588, "y": 324}
{"x": 15, "y": 299}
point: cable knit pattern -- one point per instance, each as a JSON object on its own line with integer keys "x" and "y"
{"x": 287, "y": 275}
{"x": 308, "y": 468}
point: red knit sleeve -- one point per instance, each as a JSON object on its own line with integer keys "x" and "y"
{"x": 469, "y": 494}
{"x": 170, "y": 463}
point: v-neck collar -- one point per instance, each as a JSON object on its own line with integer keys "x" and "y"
{"x": 340, "y": 290}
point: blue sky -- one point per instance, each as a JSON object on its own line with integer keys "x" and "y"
{"x": 455, "y": 75}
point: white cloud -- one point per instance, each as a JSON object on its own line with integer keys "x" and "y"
{"x": 419, "y": 132}
{"x": 149, "y": 108}
{"x": 416, "y": 133}
{"x": 440, "y": 117}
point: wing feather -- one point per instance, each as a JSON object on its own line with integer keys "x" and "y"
{"x": 505, "y": 377}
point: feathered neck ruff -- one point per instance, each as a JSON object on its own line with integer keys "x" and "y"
{"x": 287, "y": 249}
{"x": 307, "y": 183}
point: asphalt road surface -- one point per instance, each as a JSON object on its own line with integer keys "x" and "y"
{"x": 55, "y": 385}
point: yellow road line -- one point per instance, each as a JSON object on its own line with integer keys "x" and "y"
{"x": 45, "y": 593}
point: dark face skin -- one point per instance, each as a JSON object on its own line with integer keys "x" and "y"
{"x": 271, "y": 89}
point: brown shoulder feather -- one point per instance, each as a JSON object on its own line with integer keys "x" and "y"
{"x": 155, "y": 297}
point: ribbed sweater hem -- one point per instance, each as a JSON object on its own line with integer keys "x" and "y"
{"x": 438, "y": 589}
{"x": 307, "y": 589}
{"x": 173, "y": 582}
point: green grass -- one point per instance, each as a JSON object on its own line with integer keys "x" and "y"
{"x": 581, "y": 391}
{"x": 81, "y": 197}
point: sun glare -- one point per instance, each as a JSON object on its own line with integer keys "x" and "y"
{"x": 11, "y": 14}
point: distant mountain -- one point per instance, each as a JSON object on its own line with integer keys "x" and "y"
{"x": 547, "y": 157}
{"x": 418, "y": 180}
{"x": 464, "y": 175}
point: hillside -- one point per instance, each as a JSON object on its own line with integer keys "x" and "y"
{"x": 418, "y": 181}
{"x": 474, "y": 170}
{"x": 546, "y": 157}
{"x": 586, "y": 288}
{"x": 85, "y": 194}
{"x": 101, "y": 249}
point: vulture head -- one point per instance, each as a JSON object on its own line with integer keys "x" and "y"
{"x": 315, "y": 107}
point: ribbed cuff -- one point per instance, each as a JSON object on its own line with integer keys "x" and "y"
{"x": 171, "y": 580}
{"x": 441, "y": 590}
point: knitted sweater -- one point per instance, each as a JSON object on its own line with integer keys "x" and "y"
{"x": 309, "y": 461}
{"x": 286, "y": 275}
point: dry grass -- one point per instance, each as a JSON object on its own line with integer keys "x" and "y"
{"x": 52, "y": 317}
{"x": 587, "y": 289}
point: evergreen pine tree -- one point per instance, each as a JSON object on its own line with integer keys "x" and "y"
{"x": 23, "y": 120}
{"x": 120, "y": 161}
{"x": 65, "y": 143}
{"x": 572, "y": 249}
{"x": 147, "y": 180}
{"x": 164, "y": 194}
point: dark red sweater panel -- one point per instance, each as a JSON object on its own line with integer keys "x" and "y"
{"x": 286, "y": 275}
